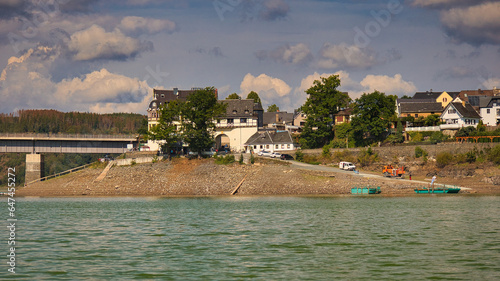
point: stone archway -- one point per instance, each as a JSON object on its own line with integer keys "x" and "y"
{"x": 223, "y": 142}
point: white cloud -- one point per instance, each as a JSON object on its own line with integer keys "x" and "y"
{"x": 95, "y": 43}
{"x": 345, "y": 56}
{"x": 491, "y": 83}
{"x": 138, "y": 25}
{"x": 476, "y": 24}
{"x": 271, "y": 90}
{"x": 26, "y": 83}
{"x": 388, "y": 85}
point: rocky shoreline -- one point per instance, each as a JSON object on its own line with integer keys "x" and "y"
{"x": 183, "y": 177}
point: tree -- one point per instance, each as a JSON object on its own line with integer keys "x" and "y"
{"x": 233, "y": 96}
{"x": 254, "y": 96}
{"x": 168, "y": 128}
{"x": 323, "y": 102}
{"x": 372, "y": 115}
{"x": 432, "y": 120}
{"x": 198, "y": 113}
{"x": 273, "y": 108}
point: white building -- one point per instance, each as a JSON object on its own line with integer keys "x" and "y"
{"x": 457, "y": 115}
{"x": 490, "y": 110}
{"x": 280, "y": 141}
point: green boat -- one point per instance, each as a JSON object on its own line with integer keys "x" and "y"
{"x": 438, "y": 190}
{"x": 365, "y": 190}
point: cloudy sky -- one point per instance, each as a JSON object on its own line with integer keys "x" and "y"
{"x": 107, "y": 56}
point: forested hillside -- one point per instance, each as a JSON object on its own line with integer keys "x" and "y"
{"x": 53, "y": 121}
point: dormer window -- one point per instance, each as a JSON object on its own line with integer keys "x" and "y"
{"x": 162, "y": 95}
{"x": 247, "y": 111}
{"x": 234, "y": 111}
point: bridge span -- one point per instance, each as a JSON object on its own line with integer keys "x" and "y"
{"x": 36, "y": 144}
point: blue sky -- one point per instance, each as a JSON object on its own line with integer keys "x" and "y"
{"x": 107, "y": 56}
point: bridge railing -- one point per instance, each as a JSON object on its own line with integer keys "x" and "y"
{"x": 59, "y": 174}
{"x": 59, "y": 135}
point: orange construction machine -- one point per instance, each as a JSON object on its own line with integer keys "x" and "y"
{"x": 390, "y": 171}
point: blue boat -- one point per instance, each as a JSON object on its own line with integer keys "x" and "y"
{"x": 365, "y": 190}
{"x": 438, "y": 190}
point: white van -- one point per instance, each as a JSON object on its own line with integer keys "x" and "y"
{"x": 348, "y": 166}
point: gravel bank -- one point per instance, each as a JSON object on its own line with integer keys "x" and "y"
{"x": 183, "y": 177}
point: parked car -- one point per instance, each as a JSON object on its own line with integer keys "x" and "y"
{"x": 286, "y": 157}
{"x": 264, "y": 153}
{"x": 348, "y": 166}
{"x": 276, "y": 155}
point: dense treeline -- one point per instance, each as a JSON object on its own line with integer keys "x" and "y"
{"x": 53, "y": 121}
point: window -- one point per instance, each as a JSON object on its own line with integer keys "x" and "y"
{"x": 243, "y": 120}
{"x": 276, "y": 146}
{"x": 416, "y": 115}
{"x": 234, "y": 111}
{"x": 267, "y": 146}
{"x": 282, "y": 146}
{"x": 452, "y": 111}
{"x": 288, "y": 146}
{"x": 246, "y": 111}
{"x": 230, "y": 121}
{"x": 498, "y": 112}
{"x": 261, "y": 146}
{"x": 445, "y": 99}
{"x": 162, "y": 95}
{"x": 487, "y": 111}
{"x": 254, "y": 147}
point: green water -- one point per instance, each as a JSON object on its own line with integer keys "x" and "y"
{"x": 258, "y": 238}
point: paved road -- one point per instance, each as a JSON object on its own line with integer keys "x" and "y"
{"x": 337, "y": 170}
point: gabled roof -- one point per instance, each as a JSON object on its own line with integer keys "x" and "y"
{"x": 488, "y": 101}
{"x": 427, "y": 95}
{"x": 270, "y": 117}
{"x": 345, "y": 112}
{"x": 239, "y": 108}
{"x": 466, "y": 111}
{"x": 267, "y": 137}
{"x": 421, "y": 107}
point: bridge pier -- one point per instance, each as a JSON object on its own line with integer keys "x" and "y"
{"x": 34, "y": 167}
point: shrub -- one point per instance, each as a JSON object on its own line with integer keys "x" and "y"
{"x": 419, "y": 152}
{"x": 252, "y": 159}
{"x": 443, "y": 159}
{"x": 224, "y": 160}
{"x": 470, "y": 157}
{"x": 326, "y": 151}
{"x": 494, "y": 154}
{"x": 367, "y": 157}
{"x": 299, "y": 155}
{"x": 416, "y": 136}
{"x": 437, "y": 137}
{"x": 241, "y": 159}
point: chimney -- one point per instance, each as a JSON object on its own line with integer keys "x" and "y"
{"x": 277, "y": 117}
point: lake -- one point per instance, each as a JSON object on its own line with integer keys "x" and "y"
{"x": 259, "y": 238}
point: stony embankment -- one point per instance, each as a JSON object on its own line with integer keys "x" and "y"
{"x": 183, "y": 177}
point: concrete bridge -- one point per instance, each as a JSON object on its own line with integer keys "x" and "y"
{"x": 35, "y": 144}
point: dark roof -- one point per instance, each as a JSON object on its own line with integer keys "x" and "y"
{"x": 270, "y": 117}
{"x": 414, "y": 100}
{"x": 427, "y": 95}
{"x": 239, "y": 108}
{"x": 267, "y": 137}
{"x": 345, "y": 112}
{"x": 421, "y": 107}
{"x": 488, "y": 101}
{"x": 453, "y": 94}
{"x": 161, "y": 97}
{"x": 466, "y": 110}
{"x": 479, "y": 92}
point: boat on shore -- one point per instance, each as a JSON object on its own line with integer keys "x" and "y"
{"x": 365, "y": 190}
{"x": 438, "y": 190}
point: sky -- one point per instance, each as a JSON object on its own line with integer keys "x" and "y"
{"x": 108, "y": 56}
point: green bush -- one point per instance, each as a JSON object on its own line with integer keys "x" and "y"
{"x": 252, "y": 158}
{"x": 367, "y": 157}
{"x": 494, "y": 154}
{"x": 241, "y": 159}
{"x": 326, "y": 151}
{"x": 470, "y": 157}
{"x": 419, "y": 152}
{"x": 443, "y": 159}
{"x": 299, "y": 156}
{"x": 224, "y": 160}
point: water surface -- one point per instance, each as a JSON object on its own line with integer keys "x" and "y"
{"x": 258, "y": 238}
